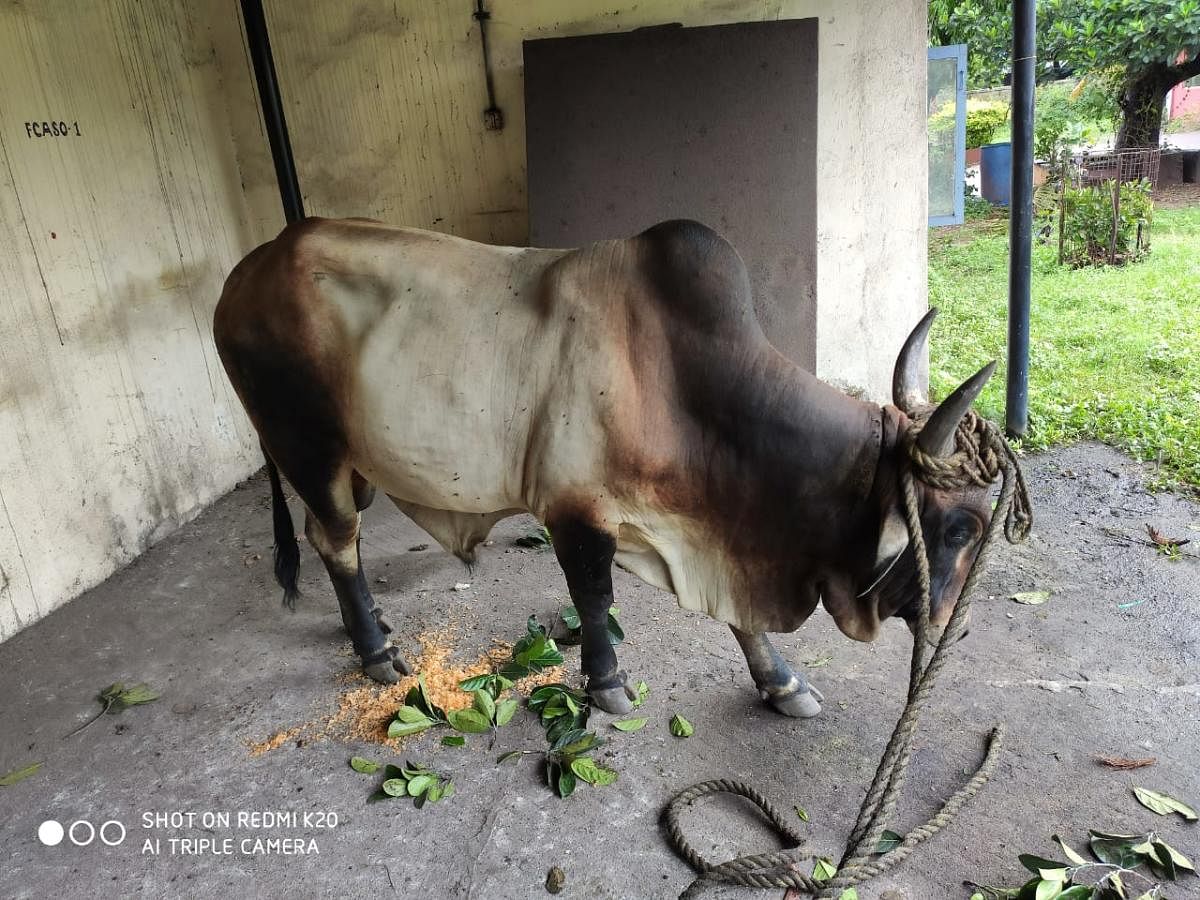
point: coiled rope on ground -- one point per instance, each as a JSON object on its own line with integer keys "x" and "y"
{"x": 981, "y": 455}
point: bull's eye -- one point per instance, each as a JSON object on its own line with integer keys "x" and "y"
{"x": 958, "y": 537}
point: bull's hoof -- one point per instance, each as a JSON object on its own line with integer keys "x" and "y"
{"x": 389, "y": 669}
{"x": 799, "y": 704}
{"x": 616, "y": 699}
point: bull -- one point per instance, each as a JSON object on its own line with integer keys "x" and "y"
{"x": 624, "y": 393}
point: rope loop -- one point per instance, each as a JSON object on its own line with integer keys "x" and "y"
{"x": 981, "y": 455}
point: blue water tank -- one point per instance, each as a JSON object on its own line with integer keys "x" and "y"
{"x": 995, "y": 172}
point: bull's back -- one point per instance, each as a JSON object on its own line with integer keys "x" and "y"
{"x": 429, "y": 356}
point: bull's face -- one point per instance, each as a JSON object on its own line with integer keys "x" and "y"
{"x": 953, "y": 522}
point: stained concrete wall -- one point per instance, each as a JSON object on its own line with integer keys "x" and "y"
{"x": 116, "y": 421}
{"x": 385, "y": 102}
{"x": 121, "y": 212}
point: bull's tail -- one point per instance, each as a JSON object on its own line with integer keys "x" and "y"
{"x": 287, "y": 549}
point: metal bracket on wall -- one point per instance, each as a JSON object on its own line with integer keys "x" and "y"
{"x": 493, "y": 118}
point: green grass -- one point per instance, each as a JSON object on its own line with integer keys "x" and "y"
{"x": 1114, "y": 352}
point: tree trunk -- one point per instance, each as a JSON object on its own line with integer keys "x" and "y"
{"x": 1142, "y": 99}
{"x": 1141, "y": 103}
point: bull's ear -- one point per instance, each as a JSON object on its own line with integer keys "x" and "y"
{"x": 906, "y": 378}
{"x": 937, "y": 437}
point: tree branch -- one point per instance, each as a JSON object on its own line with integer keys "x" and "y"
{"x": 1186, "y": 69}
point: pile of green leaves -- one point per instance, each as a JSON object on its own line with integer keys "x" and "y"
{"x": 564, "y": 713}
{"x": 570, "y": 618}
{"x": 1119, "y": 856}
{"x": 1088, "y": 223}
{"x": 533, "y": 653}
{"x": 538, "y": 539}
{"x": 410, "y": 780}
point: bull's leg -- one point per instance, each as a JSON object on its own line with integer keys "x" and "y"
{"x": 335, "y": 538}
{"x": 786, "y": 691}
{"x": 586, "y": 554}
{"x": 364, "y": 494}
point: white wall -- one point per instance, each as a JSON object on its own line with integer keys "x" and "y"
{"x": 116, "y": 420}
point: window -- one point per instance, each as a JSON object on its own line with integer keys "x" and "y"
{"x": 947, "y": 130}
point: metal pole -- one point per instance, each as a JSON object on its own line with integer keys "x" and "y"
{"x": 272, "y": 109}
{"x": 1020, "y": 217}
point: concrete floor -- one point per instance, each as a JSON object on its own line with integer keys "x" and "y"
{"x": 1077, "y": 677}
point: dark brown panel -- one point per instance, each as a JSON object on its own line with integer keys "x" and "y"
{"x": 715, "y": 124}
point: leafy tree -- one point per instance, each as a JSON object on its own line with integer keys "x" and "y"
{"x": 1147, "y": 39}
{"x": 1152, "y": 44}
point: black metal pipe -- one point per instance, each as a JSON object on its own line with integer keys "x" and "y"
{"x": 272, "y": 109}
{"x": 1020, "y": 217}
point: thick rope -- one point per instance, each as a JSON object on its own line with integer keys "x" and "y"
{"x": 981, "y": 455}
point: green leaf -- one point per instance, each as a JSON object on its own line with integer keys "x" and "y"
{"x": 630, "y": 724}
{"x": 474, "y": 683}
{"x": 1032, "y": 598}
{"x": 1163, "y": 804}
{"x": 485, "y": 705}
{"x": 411, "y": 715}
{"x": 511, "y": 754}
{"x": 1077, "y": 892}
{"x": 586, "y": 769}
{"x": 616, "y": 634}
{"x": 365, "y": 766}
{"x": 565, "y": 783}
{"x": 1048, "y": 889}
{"x": 1117, "y": 849}
{"x": 19, "y": 774}
{"x": 419, "y": 785}
{"x": 468, "y": 720}
{"x": 395, "y": 787}
{"x": 538, "y": 539}
{"x": 434, "y": 794}
{"x": 823, "y": 869}
{"x": 848, "y": 894}
{"x": 888, "y": 841}
{"x": 1177, "y": 859}
{"x": 570, "y": 617}
{"x": 1046, "y": 868}
{"x": 801, "y": 812}
{"x": 1070, "y": 854}
{"x": 505, "y": 710}
{"x": 402, "y": 729}
{"x": 453, "y": 740}
{"x": 643, "y": 691}
{"x": 575, "y": 742}
{"x": 681, "y": 727}
{"x": 563, "y": 724}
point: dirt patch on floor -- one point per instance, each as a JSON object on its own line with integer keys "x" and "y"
{"x": 1173, "y": 196}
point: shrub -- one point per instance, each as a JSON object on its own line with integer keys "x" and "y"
{"x": 983, "y": 119}
{"x": 1065, "y": 115}
{"x": 1088, "y": 223}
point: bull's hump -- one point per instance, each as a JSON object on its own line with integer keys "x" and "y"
{"x": 699, "y": 278}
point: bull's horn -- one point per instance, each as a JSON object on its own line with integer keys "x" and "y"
{"x": 937, "y": 437}
{"x": 906, "y": 379}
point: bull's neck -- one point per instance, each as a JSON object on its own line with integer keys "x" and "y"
{"x": 832, "y": 439}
